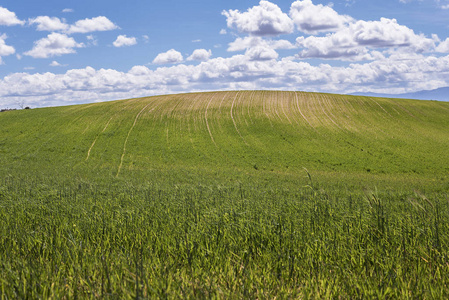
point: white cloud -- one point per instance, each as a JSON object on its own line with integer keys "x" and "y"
{"x": 223, "y": 31}
{"x": 67, "y": 10}
{"x": 396, "y": 74}
{"x": 200, "y": 55}
{"x": 92, "y": 40}
{"x": 170, "y": 57}
{"x": 54, "y": 44}
{"x": 196, "y": 41}
{"x": 55, "y": 64}
{"x": 45, "y": 23}
{"x": 9, "y": 18}
{"x": 261, "y": 53}
{"x": 248, "y": 42}
{"x": 445, "y": 6}
{"x": 388, "y": 33}
{"x": 443, "y": 47}
{"x": 146, "y": 38}
{"x": 100, "y": 23}
{"x": 267, "y": 19}
{"x": 140, "y": 71}
{"x": 399, "y": 59}
{"x": 123, "y": 40}
{"x": 355, "y": 41}
{"x": 310, "y": 18}
{"x": 5, "y": 50}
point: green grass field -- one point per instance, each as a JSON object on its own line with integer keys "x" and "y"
{"x": 228, "y": 195}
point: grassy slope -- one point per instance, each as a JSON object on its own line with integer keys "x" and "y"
{"x": 204, "y": 196}
{"x": 279, "y": 132}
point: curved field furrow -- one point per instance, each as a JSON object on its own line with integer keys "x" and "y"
{"x": 372, "y": 99}
{"x": 339, "y": 116}
{"x": 207, "y": 123}
{"x": 324, "y": 107}
{"x": 233, "y": 119}
{"x": 96, "y": 138}
{"x": 264, "y": 107}
{"x": 250, "y": 104}
{"x": 129, "y": 133}
{"x": 189, "y": 119}
{"x": 301, "y": 112}
{"x": 274, "y": 105}
{"x": 284, "y": 103}
{"x": 312, "y": 109}
{"x": 171, "y": 119}
{"x": 316, "y": 106}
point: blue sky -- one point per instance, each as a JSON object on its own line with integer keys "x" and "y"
{"x": 61, "y": 53}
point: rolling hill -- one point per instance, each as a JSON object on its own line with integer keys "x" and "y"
{"x": 205, "y": 195}
{"x": 250, "y": 131}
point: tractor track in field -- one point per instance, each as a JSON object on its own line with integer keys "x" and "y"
{"x": 207, "y": 123}
{"x": 374, "y": 100}
{"x": 129, "y": 133}
{"x": 323, "y": 108}
{"x": 335, "y": 105}
{"x": 264, "y": 108}
{"x": 301, "y": 113}
{"x": 233, "y": 120}
{"x": 248, "y": 106}
{"x": 283, "y": 102}
{"x": 170, "y": 116}
{"x": 95, "y": 140}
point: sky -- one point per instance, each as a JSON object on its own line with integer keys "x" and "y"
{"x": 69, "y": 52}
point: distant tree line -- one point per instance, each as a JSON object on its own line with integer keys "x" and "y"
{"x": 9, "y": 109}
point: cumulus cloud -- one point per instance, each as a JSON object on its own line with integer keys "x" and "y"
{"x": 260, "y": 53}
{"x": 55, "y": 64}
{"x": 5, "y": 49}
{"x": 123, "y": 40}
{"x": 100, "y": 23}
{"x": 200, "y": 55}
{"x": 355, "y": 41}
{"x": 54, "y": 44}
{"x": 67, "y": 10}
{"x": 170, "y": 57}
{"x": 248, "y": 42}
{"x": 443, "y": 47}
{"x": 310, "y": 18}
{"x": 391, "y": 59}
{"x": 45, "y": 23}
{"x": 266, "y": 19}
{"x": 396, "y": 74}
{"x": 9, "y": 18}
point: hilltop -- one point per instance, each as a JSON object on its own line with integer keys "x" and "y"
{"x": 250, "y": 131}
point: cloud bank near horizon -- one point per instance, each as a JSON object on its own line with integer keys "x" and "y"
{"x": 379, "y": 56}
